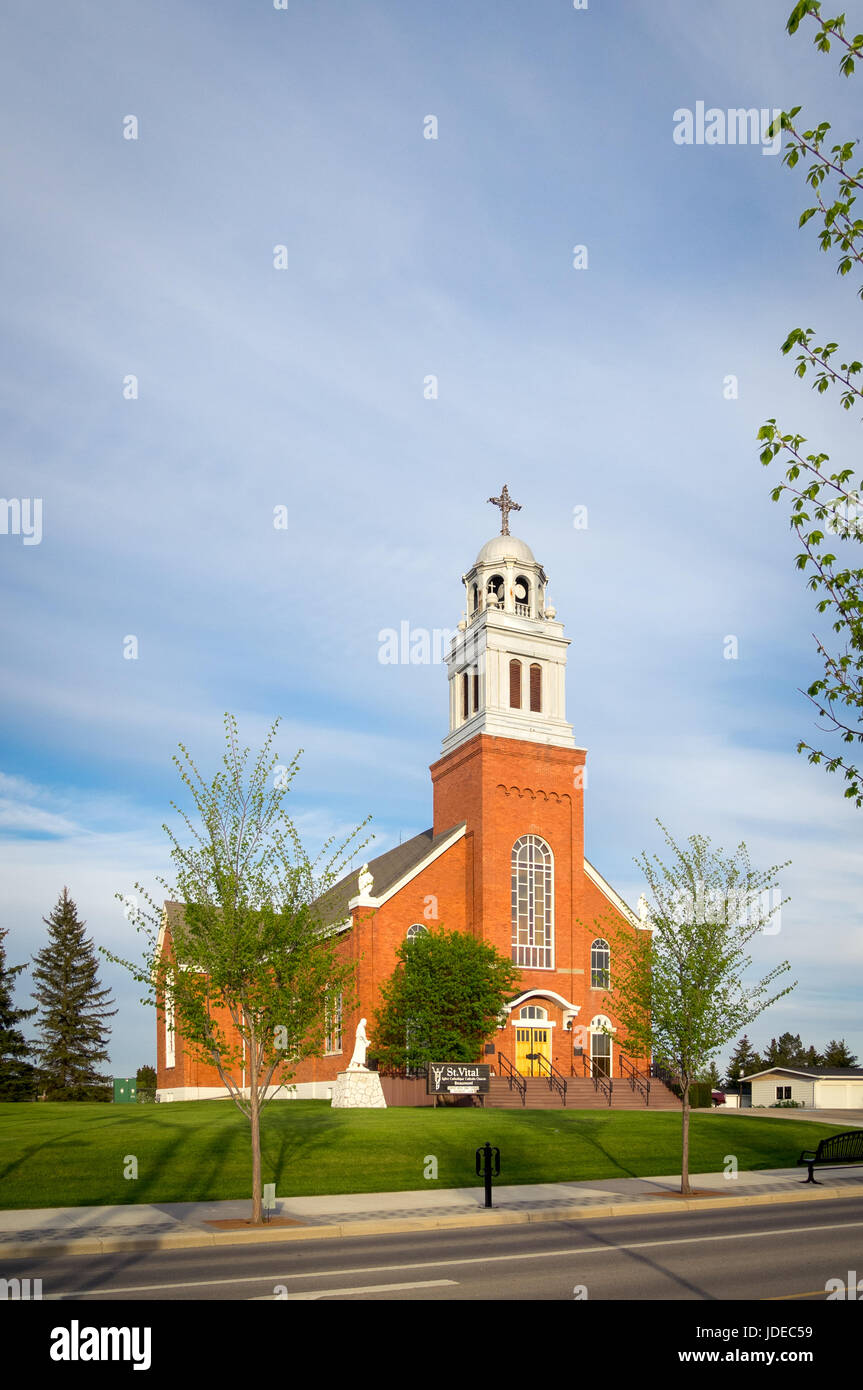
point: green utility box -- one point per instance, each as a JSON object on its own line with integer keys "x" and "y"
{"x": 125, "y": 1090}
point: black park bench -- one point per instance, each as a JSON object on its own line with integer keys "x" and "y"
{"x": 839, "y": 1151}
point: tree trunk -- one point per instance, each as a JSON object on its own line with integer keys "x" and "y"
{"x": 684, "y": 1163}
{"x": 257, "y": 1191}
{"x": 255, "y": 1120}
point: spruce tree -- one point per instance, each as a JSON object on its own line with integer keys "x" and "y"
{"x": 837, "y": 1054}
{"x": 710, "y": 1077}
{"x": 744, "y": 1061}
{"x": 74, "y": 1009}
{"x": 790, "y": 1051}
{"x": 17, "y": 1073}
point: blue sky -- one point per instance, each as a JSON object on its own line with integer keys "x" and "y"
{"x": 304, "y": 388}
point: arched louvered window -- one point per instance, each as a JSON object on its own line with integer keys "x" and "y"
{"x": 600, "y": 965}
{"x": 536, "y": 688}
{"x": 532, "y": 903}
{"x": 515, "y": 685}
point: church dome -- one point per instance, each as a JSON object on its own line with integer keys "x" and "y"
{"x": 505, "y": 548}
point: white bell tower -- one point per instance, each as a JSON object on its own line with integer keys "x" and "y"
{"x": 507, "y": 664}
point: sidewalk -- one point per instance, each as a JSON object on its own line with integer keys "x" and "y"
{"x": 101, "y": 1230}
{"x": 848, "y": 1119}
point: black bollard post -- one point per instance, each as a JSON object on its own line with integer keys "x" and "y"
{"x": 485, "y": 1157}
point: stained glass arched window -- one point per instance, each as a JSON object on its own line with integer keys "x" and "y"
{"x": 533, "y": 903}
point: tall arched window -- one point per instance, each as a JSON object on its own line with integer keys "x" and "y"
{"x": 536, "y": 688}
{"x": 600, "y": 963}
{"x": 532, "y": 903}
{"x": 170, "y": 1026}
{"x": 465, "y": 696}
{"x": 515, "y": 685}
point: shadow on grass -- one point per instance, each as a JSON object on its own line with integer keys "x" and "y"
{"x": 71, "y": 1139}
{"x": 284, "y": 1144}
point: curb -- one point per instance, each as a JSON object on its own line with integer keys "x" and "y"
{"x": 186, "y": 1240}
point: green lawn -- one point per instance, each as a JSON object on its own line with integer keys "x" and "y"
{"x": 74, "y": 1154}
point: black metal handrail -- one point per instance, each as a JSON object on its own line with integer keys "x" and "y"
{"x": 637, "y": 1080}
{"x": 670, "y": 1078}
{"x": 513, "y": 1077}
{"x": 601, "y": 1081}
{"x": 554, "y": 1078}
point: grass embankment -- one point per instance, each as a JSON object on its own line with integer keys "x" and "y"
{"x": 54, "y": 1155}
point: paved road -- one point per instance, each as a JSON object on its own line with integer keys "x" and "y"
{"x": 776, "y": 1252}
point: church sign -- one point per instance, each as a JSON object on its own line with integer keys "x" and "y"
{"x": 457, "y": 1078}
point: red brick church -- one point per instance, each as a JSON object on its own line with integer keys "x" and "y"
{"x": 504, "y": 858}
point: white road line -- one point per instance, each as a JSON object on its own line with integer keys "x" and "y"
{"x": 365, "y": 1288}
{"x": 463, "y": 1260}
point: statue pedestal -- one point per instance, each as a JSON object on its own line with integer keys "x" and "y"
{"x": 358, "y": 1090}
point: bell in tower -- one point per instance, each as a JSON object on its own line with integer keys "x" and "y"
{"x": 507, "y": 663}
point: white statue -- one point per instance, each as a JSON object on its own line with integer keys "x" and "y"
{"x": 358, "y": 1060}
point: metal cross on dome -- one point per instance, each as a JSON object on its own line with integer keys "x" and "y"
{"x": 506, "y": 505}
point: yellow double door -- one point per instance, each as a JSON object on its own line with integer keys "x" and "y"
{"x": 531, "y": 1045}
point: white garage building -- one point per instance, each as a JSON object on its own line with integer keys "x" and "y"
{"x": 817, "y": 1088}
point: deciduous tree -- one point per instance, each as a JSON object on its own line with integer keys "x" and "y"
{"x": 442, "y": 1000}
{"x": 826, "y": 503}
{"x": 678, "y": 987}
{"x": 253, "y": 959}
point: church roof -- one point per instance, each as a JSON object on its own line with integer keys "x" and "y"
{"x": 387, "y": 870}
